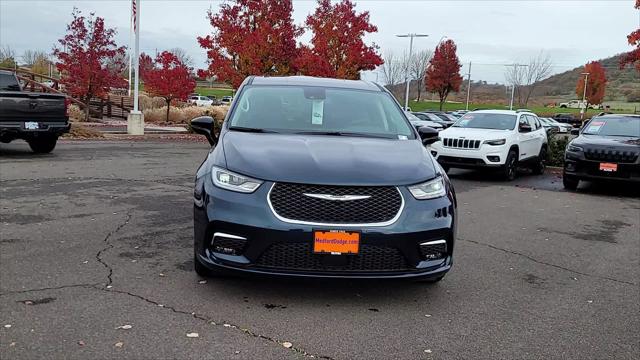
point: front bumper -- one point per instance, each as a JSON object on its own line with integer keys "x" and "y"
{"x": 275, "y": 247}
{"x": 484, "y": 157}
{"x": 576, "y": 166}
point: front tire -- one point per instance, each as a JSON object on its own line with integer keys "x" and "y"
{"x": 42, "y": 145}
{"x": 540, "y": 164}
{"x": 570, "y": 183}
{"x": 510, "y": 167}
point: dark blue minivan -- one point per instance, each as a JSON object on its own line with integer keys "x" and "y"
{"x": 316, "y": 177}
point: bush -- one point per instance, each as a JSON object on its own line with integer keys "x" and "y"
{"x": 557, "y": 146}
{"x": 183, "y": 116}
{"x": 75, "y": 113}
{"x": 79, "y": 131}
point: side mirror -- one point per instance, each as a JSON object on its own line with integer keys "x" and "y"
{"x": 575, "y": 131}
{"x": 428, "y": 135}
{"x": 205, "y": 125}
{"x": 524, "y": 128}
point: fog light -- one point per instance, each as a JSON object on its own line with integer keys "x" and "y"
{"x": 493, "y": 158}
{"x": 228, "y": 244}
{"x": 434, "y": 153}
{"x": 433, "y": 250}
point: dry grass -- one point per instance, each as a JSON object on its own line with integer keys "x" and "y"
{"x": 75, "y": 113}
{"x": 182, "y": 116}
{"x": 79, "y": 131}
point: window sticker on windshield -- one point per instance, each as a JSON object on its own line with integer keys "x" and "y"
{"x": 468, "y": 117}
{"x": 317, "y": 112}
{"x": 595, "y": 126}
{"x": 402, "y": 137}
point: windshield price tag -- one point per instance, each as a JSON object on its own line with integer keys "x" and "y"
{"x": 595, "y": 126}
{"x": 317, "y": 112}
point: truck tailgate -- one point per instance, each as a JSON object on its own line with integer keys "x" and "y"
{"x": 24, "y": 106}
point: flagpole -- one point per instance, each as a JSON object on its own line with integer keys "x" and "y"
{"x": 136, "y": 60}
{"x": 130, "y": 46}
{"x": 135, "y": 121}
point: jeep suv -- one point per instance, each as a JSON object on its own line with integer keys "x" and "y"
{"x": 607, "y": 148}
{"x": 498, "y": 139}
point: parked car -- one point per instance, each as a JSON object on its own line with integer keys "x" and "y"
{"x": 418, "y": 121}
{"x": 200, "y": 100}
{"x": 226, "y": 100}
{"x": 37, "y": 118}
{"x": 567, "y": 119}
{"x": 549, "y": 126}
{"x": 607, "y": 148}
{"x": 494, "y": 139}
{"x": 430, "y": 116}
{"x": 578, "y": 104}
{"x": 562, "y": 127}
{"x": 315, "y": 177}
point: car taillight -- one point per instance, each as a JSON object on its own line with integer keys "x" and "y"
{"x": 67, "y": 102}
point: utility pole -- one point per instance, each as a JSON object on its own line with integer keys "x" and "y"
{"x": 468, "y": 87}
{"x": 583, "y": 106}
{"x": 513, "y": 86}
{"x": 406, "y": 74}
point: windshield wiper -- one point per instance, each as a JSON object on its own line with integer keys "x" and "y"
{"x": 249, "y": 129}
{"x": 346, "y": 133}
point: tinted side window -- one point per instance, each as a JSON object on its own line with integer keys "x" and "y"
{"x": 522, "y": 120}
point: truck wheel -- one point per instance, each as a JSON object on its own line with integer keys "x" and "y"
{"x": 43, "y": 145}
{"x": 540, "y": 164}
{"x": 510, "y": 167}
{"x": 569, "y": 182}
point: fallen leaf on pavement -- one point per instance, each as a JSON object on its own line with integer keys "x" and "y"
{"x": 193, "y": 335}
{"x": 202, "y": 282}
{"x": 125, "y": 327}
{"x": 7, "y": 326}
{"x": 81, "y": 343}
{"x": 287, "y": 344}
{"x": 119, "y": 344}
{"x": 428, "y": 351}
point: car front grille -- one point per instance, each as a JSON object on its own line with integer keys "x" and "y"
{"x": 299, "y": 256}
{"x": 382, "y": 205}
{"x": 611, "y": 155}
{"x": 461, "y": 143}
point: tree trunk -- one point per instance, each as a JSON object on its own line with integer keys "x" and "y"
{"x": 86, "y": 109}
{"x": 419, "y": 90}
{"x": 168, "y": 108}
{"x": 442, "y": 99}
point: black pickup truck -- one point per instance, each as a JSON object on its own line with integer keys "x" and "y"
{"x": 37, "y": 118}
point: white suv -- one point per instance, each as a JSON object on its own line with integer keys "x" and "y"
{"x": 500, "y": 139}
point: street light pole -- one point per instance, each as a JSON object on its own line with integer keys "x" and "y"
{"x": 408, "y": 65}
{"x": 468, "y": 87}
{"x": 584, "y": 95}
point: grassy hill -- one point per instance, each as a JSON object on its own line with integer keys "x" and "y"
{"x": 623, "y": 84}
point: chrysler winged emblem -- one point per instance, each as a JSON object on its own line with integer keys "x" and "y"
{"x": 337, "y": 197}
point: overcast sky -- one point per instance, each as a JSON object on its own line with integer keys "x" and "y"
{"x": 488, "y": 33}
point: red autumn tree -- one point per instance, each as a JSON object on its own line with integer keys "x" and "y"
{"x": 250, "y": 37}
{"x": 337, "y": 47}
{"x": 145, "y": 63}
{"x": 169, "y": 78}
{"x": 596, "y": 83}
{"x": 633, "y": 56}
{"x": 90, "y": 61}
{"x": 443, "y": 72}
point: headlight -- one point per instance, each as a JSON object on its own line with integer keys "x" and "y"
{"x": 235, "y": 182}
{"x": 496, "y": 142}
{"x": 574, "y": 148}
{"x": 429, "y": 190}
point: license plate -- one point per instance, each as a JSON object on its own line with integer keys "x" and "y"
{"x": 336, "y": 242}
{"x": 31, "y": 125}
{"x": 608, "y": 167}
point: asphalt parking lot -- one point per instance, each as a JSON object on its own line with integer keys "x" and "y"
{"x": 96, "y": 262}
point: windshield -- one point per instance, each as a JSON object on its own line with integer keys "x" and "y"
{"x": 487, "y": 121}
{"x": 614, "y": 126}
{"x": 306, "y": 109}
{"x": 8, "y": 83}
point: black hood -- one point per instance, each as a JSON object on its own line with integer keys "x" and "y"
{"x": 327, "y": 160}
{"x": 613, "y": 142}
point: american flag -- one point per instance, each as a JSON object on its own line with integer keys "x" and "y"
{"x": 133, "y": 14}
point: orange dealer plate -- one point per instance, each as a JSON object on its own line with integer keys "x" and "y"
{"x": 336, "y": 242}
